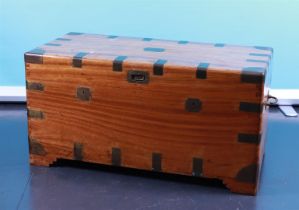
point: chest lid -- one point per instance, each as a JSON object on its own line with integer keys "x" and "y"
{"x": 251, "y": 61}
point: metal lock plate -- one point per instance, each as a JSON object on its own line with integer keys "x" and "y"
{"x": 135, "y": 76}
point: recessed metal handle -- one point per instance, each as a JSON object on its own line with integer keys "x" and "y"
{"x": 135, "y": 76}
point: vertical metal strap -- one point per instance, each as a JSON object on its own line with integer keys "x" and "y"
{"x": 201, "y": 71}
{"x": 156, "y": 161}
{"x": 118, "y": 63}
{"x": 116, "y": 156}
{"x": 77, "y": 59}
{"x": 78, "y": 151}
{"x": 159, "y": 67}
{"x": 197, "y": 166}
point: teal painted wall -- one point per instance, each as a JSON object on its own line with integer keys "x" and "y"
{"x": 27, "y": 24}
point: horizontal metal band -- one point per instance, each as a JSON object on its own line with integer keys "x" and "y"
{"x": 116, "y": 157}
{"x": 118, "y": 63}
{"x": 34, "y": 56}
{"x": 264, "y": 48}
{"x": 37, "y": 114}
{"x": 250, "y": 107}
{"x": 74, "y": 33}
{"x": 112, "y": 37}
{"x": 252, "y": 77}
{"x": 159, "y": 66}
{"x": 37, "y": 51}
{"x": 255, "y": 69}
{"x": 183, "y": 42}
{"x": 201, "y": 71}
{"x": 260, "y": 55}
{"x": 248, "y": 174}
{"x": 193, "y": 105}
{"x": 156, "y": 162}
{"x": 83, "y": 93}
{"x": 34, "y": 86}
{"x": 154, "y": 49}
{"x": 78, "y": 151}
{"x": 63, "y": 39}
{"x": 77, "y": 59}
{"x": 219, "y": 45}
{"x": 197, "y": 167}
{"x": 249, "y": 138}
{"x": 147, "y": 39}
{"x": 53, "y": 44}
{"x": 36, "y": 148}
{"x": 257, "y": 61}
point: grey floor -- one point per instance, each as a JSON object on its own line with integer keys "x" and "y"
{"x": 72, "y": 186}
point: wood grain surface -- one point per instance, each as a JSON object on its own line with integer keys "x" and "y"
{"x": 87, "y": 112}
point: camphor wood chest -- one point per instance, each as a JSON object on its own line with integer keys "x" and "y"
{"x": 178, "y": 107}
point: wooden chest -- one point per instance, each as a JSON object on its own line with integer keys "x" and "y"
{"x": 180, "y": 107}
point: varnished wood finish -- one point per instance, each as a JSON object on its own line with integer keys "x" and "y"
{"x": 91, "y": 112}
